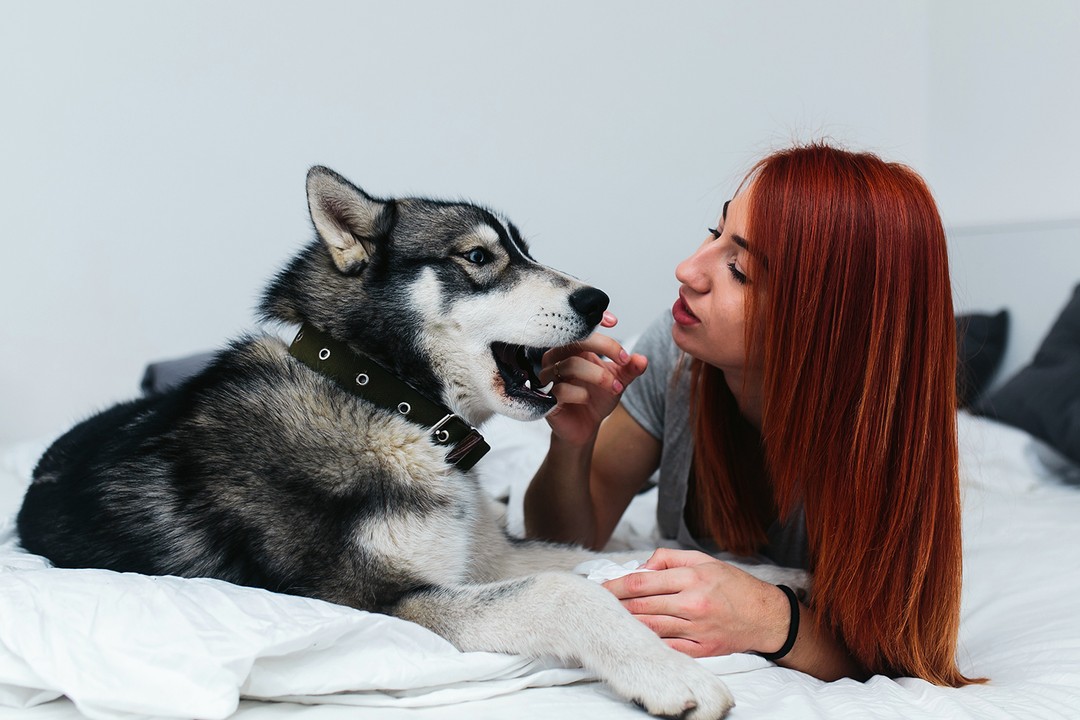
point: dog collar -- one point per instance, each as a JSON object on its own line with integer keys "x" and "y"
{"x": 365, "y": 378}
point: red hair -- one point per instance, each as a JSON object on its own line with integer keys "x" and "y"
{"x": 851, "y": 318}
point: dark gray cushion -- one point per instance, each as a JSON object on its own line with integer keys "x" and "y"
{"x": 981, "y": 340}
{"x": 1043, "y": 398}
{"x": 167, "y": 374}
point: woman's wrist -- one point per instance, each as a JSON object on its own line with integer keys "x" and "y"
{"x": 777, "y": 626}
{"x": 573, "y": 450}
{"x": 791, "y": 602}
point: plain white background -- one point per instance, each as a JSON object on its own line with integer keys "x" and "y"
{"x": 152, "y": 155}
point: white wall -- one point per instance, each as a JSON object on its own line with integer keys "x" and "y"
{"x": 1003, "y": 157}
{"x": 1029, "y": 269}
{"x": 1004, "y": 102}
{"x": 152, "y": 155}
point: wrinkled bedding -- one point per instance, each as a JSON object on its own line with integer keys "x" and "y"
{"x": 111, "y": 645}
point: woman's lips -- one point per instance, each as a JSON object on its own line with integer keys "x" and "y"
{"x": 682, "y": 314}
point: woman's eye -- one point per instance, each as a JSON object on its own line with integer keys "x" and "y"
{"x": 715, "y": 233}
{"x": 477, "y": 256}
{"x": 740, "y": 277}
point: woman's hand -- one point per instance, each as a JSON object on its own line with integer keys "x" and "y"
{"x": 703, "y": 606}
{"x": 589, "y": 378}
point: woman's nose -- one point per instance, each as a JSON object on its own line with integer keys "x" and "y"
{"x": 690, "y": 271}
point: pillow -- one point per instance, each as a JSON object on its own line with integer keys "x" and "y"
{"x": 1043, "y": 398}
{"x": 980, "y": 339}
{"x": 163, "y": 376}
{"x": 1055, "y": 463}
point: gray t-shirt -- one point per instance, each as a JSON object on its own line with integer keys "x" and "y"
{"x": 659, "y": 401}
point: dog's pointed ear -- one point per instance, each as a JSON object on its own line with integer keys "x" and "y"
{"x": 349, "y": 221}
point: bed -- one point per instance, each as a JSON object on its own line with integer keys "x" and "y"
{"x": 108, "y": 645}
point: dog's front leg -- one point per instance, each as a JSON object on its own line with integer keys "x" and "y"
{"x": 494, "y": 555}
{"x": 519, "y": 558}
{"x": 566, "y": 616}
{"x": 503, "y": 558}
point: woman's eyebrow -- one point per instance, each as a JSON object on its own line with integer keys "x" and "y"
{"x": 741, "y": 242}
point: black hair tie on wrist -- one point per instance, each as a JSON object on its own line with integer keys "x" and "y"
{"x": 793, "y": 628}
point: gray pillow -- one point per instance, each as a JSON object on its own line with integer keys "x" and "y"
{"x": 1043, "y": 398}
{"x": 162, "y": 376}
{"x": 981, "y": 339}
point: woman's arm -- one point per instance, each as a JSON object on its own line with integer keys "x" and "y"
{"x": 599, "y": 456}
{"x": 704, "y": 607}
{"x": 817, "y": 651}
{"x": 581, "y": 490}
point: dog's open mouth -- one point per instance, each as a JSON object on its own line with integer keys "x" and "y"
{"x": 519, "y": 367}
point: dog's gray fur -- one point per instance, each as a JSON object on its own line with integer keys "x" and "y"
{"x": 263, "y": 472}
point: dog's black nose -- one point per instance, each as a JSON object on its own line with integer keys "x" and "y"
{"x": 590, "y": 304}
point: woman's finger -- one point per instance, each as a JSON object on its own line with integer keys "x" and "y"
{"x": 570, "y": 394}
{"x": 644, "y": 584}
{"x": 666, "y": 558}
{"x": 577, "y": 369}
{"x": 656, "y": 606}
{"x": 666, "y": 626}
{"x": 625, "y": 374}
{"x": 632, "y": 369}
{"x": 597, "y": 342}
{"x": 687, "y": 647}
{"x": 583, "y": 372}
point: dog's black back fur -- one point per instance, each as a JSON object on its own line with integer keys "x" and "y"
{"x": 138, "y": 488}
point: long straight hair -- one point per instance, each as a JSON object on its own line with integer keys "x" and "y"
{"x": 851, "y": 319}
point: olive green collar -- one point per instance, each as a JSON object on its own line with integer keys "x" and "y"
{"x": 365, "y": 378}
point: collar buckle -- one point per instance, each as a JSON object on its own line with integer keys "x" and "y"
{"x": 442, "y": 436}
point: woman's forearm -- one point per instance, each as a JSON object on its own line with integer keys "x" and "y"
{"x": 558, "y": 503}
{"x": 817, "y": 651}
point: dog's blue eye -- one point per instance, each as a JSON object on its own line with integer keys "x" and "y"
{"x": 476, "y": 256}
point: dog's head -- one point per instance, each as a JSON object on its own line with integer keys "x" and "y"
{"x": 444, "y": 294}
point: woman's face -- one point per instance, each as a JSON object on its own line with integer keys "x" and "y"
{"x": 709, "y": 319}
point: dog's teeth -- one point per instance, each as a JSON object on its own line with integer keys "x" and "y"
{"x": 528, "y": 383}
{"x": 547, "y": 388}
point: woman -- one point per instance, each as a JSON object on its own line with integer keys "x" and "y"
{"x": 816, "y": 388}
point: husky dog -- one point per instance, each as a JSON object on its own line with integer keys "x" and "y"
{"x": 313, "y": 469}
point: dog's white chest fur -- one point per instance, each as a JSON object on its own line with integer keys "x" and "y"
{"x": 432, "y": 546}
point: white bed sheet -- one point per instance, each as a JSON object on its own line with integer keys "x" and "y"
{"x": 111, "y": 645}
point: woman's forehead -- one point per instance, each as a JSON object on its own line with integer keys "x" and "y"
{"x": 736, "y": 205}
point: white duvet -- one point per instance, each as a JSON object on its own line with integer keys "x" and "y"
{"x": 124, "y": 645}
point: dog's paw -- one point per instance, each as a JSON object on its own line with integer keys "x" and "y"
{"x": 674, "y": 687}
